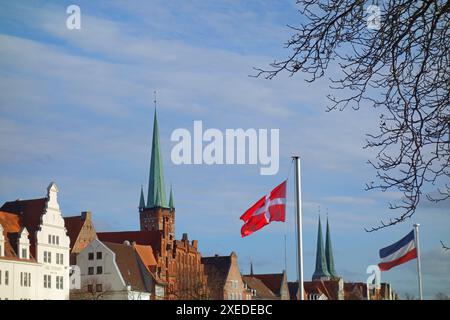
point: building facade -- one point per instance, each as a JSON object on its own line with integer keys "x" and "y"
{"x": 224, "y": 278}
{"x": 34, "y": 249}
{"x": 113, "y": 271}
{"x": 81, "y": 232}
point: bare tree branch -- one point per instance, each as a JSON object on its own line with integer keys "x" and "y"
{"x": 402, "y": 70}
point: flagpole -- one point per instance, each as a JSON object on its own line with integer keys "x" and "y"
{"x": 419, "y": 266}
{"x": 298, "y": 203}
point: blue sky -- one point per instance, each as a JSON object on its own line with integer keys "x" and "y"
{"x": 76, "y": 108}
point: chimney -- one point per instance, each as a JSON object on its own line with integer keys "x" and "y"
{"x": 185, "y": 237}
{"x": 86, "y": 215}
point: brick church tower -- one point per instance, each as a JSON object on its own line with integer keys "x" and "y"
{"x": 157, "y": 215}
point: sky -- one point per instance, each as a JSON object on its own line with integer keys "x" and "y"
{"x": 76, "y": 107}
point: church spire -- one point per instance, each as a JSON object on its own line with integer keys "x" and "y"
{"x": 142, "y": 200}
{"x": 171, "y": 206}
{"x": 321, "y": 272}
{"x": 329, "y": 253}
{"x": 156, "y": 194}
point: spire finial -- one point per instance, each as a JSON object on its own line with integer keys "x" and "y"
{"x": 154, "y": 98}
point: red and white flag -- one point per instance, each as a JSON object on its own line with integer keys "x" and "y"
{"x": 271, "y": 207}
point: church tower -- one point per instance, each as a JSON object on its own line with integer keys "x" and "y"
{"x": 156, "y": 215}
{"x": 321, "y": 271}
{"x": 329, "y": 254}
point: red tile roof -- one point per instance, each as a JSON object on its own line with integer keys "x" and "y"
{"x": 146, "y": 255}
{"x": 273, "y": 281}
{"x": 11, "y": 227}
{"x": 127, "y": 261}
{"x": 262, "y": 291}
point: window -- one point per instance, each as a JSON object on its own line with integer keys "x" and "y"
{"x": 49, "y": 257}
{"x": 91, "y": 270}
{"x": 47, "y": 281}
{"x": 99, "y": 270}
{"x": 91, "y": 256}
{"x": 57, "y": 240}
{"x": 49, "y": 239}
{"x": 99, "y": 255}
{"x": 53, "y": 239}
{"x": 45, "y": 256}
{"x": 59, "y": 258}
{"x": 98, "y": 287}
{"x": 90, "y": 288}
{"x": 6, "y": 277}
{"x": 59, "y": 282}
{"x": 24, "y": 253}
{"x": 25, "y": 279}
{"x": 0, "y": 276}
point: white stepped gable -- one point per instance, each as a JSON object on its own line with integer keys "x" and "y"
{"x": 52, "y": 224}
{"x": 52, "y": 214}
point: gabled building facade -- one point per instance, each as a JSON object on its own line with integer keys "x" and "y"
{"x": 113, "y": 271}
{"x": 81, "y": 232}
{"x": 34, "y": 249}
{"x": 224, "y": 278}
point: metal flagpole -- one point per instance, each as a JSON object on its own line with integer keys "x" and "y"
{"x": 298, "y": 202}
{"x": 419, "y": 266}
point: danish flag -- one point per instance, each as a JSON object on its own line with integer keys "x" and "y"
{"x": 271, "y": 207}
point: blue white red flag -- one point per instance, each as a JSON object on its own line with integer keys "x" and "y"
{"x": 398, "y": 253}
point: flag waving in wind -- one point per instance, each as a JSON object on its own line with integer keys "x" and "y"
{"x": 271, "y": 207}
{"x": 398, "y": 253}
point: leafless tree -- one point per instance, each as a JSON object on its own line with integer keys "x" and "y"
{"x": 401, "y": 68}
{"x": 190, "y": 283}
{"x": 91, "y": 289}
{"x": 409, "y": 296}
{"x": 444, "y": 246}
{"x": 441, "y": 296}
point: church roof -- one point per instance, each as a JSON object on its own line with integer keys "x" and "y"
{"x": 321, "y": 270}
{"x": 329, "y": 253}
{"x": 141, "y": 199}
{"x": 156, "y": 192}
{"x": 151, "y": 238}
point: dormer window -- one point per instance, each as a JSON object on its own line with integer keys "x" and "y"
{"x": 23, "y": 244}
{"x": 2, "y": 242}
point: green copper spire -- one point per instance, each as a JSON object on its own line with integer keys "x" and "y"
{"x": 171, "y": 206}
{"x": 321, "y": 272}
{"x": 156, "y": 194}
{"x": 329, "y": 253}
{"x": 142, "y": 200}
